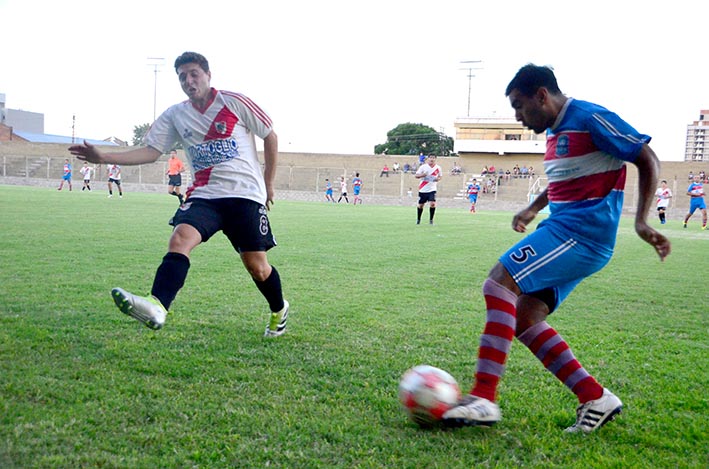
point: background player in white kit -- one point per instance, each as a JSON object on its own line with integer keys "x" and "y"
{"x": 429, "y": 173}
{"x": 230, "y": 193}
{"x": 114, "y": 177}
{"x": 663, "y": 194}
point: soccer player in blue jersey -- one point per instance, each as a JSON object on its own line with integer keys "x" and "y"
{"x": 473, "y": 191}
{"x": 696, "y": 192}
{"x": 587, "y": 148}
{"x": 356, "y": 188}
{"x": 66, "y": 175}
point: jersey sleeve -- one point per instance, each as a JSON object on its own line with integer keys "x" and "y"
{"x": 162, "y": 134}
{"x": 250, "y": 114}
{"x": 615, "y": 136}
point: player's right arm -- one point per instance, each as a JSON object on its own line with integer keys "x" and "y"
{"x": 648, "y": 168}
{"x": 88, "y": 152}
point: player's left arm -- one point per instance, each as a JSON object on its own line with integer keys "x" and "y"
{"x": 270, "y": 156}
{"x": 648, "y": 170}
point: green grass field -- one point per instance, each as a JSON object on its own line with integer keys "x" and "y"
{"x": 371, "y": 294}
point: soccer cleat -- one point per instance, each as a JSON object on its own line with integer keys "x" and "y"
{"x": 704, "y": 227}
{"x": 147, "y": 310}
{"x": 418, "y": 222}
{"x": 277, "y": 323}
{"x": 685, "y": 224}
{"x": 472, "y": 410}
{"x": 595, "y": 414}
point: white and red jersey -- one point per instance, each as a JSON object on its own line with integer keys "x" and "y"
{"x": 219, "y": 144}
{"x": 431, "y": 174}
{"x": 114, "y": 171}
{"x": 663, "y": 197}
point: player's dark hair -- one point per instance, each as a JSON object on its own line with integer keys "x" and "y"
{"x": 532, "y": 77}
{"x": 192, "y": 58}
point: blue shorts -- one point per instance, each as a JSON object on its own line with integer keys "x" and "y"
{"x": 67, "y": 177}
{"x": 696, "y": 203}
{"x": 328, "y": 192}
{"x": 550, "y": 262}
{"x": 356, "y": 190}
{"x": 473, "y": 198}
{"x": 243, "y": 221}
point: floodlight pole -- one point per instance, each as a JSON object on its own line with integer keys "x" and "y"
{"x": 470, "y": 69}
{"x": 158, "y": 62}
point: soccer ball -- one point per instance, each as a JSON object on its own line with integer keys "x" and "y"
{"x": 427, "y": 392}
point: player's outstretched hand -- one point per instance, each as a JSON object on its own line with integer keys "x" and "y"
{"x": 655, "y": 239}
{"x": 86, "y": 152}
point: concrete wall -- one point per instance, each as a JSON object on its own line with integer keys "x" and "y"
{"x": 302, "y": 175}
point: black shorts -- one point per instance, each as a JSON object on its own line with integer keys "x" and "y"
{"x": 175, "y": 180}
{"x": 243, "y": 221}
{"x": 427, "y": 197}
{"x": 117, "y": 181}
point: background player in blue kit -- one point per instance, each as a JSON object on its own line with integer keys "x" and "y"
{"x": 696, "y": 192}
{"x": 356, "y": 188}
{"x": 587, "y": 148}
{"x": 66, "y": 175}
{"x": 473, "y": 191}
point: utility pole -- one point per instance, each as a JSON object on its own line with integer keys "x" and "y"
{"x": 156, "y": 63}
{"x": 469, "y": 67}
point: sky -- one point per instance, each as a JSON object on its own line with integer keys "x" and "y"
{"x": 336, "y": 76}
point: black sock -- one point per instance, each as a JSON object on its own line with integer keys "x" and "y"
{"x": 419, "y": 211}
{"x": 170, "y": 277}
{"x": 431, "y": 212}
{"x": 271, "y": 290}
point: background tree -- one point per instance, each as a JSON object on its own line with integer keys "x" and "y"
{"x": 139, "y": 132}
{"x": 412, "y": 139}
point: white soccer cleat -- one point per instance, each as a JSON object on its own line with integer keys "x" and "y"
{"x": 277, "y": 323}
{"x": 473, "y": 410}
{"x": 147, "y": 310}
{"x": 595, "y": 414}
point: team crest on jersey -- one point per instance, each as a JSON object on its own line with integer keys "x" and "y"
{"x": 562, "y": 145}
{"x": 187, "y": 134}
{"x": 221, "y": 127}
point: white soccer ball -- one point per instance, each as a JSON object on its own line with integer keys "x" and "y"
{"x": 426, "y": 393}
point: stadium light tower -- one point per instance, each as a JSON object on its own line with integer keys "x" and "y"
{"x": 469, "y": 67}
{"x": 156, "y": 63}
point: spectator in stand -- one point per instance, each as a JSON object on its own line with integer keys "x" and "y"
{"x": 524, "y": 172}
{"x": 515, "y": 171}
{"x": 691, "y": 176}
{"x": 422, "y": 158}
{"x": 530, "y": 170}
{"x": 484, "y": 171}
{"x": 385, "y": 171}
{"x": 396, "y": 167}
{"x": 407, "y": 167}
{"x": 491, "y": 170}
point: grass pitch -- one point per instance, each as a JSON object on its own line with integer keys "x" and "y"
{"x": 371, "y": 294}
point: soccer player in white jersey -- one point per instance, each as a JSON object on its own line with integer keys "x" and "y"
{"x": 663, "y": 194}
{"x": 230, "y": 192}
{"x": 429, "y": 173}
